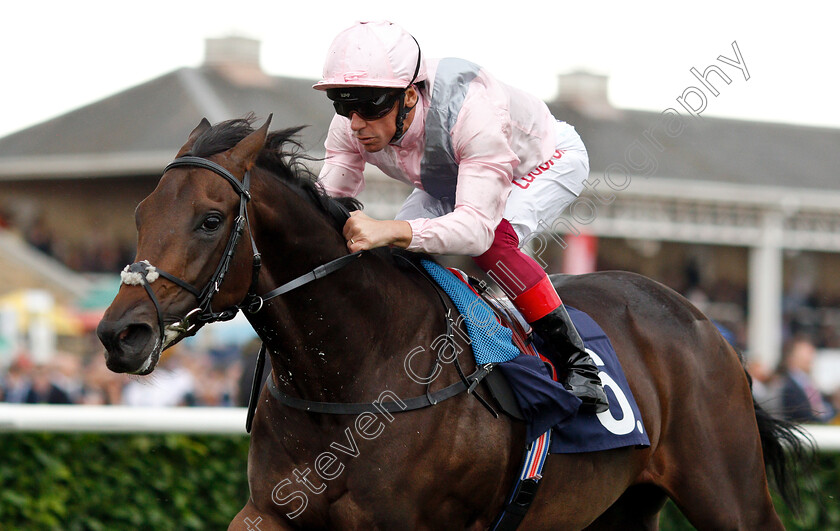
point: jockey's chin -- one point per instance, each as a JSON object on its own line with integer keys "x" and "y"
{"x": 372, "y": 144}
{"x": 373, "y": 135}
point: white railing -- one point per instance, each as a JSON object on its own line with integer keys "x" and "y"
{"x": 122, "y": 419}
{"x": 198, "y": 420}
{"x": 826, "y": 437}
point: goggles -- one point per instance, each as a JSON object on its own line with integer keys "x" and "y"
{"x": 369, "y": 104}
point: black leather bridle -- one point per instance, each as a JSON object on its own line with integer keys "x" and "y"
{"x": 203, "y": 313}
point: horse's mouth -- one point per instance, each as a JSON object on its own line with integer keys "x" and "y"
{"x": 173, "y": 333}
{"x": 150, "y": 363}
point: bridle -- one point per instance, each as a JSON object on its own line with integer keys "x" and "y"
{"x": 144, "y": 273}
{"x": 203, "y": 312}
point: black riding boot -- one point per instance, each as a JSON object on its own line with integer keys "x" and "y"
{"x": 558, "y": 331}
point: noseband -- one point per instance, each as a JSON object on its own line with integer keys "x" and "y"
{"x": 144, "y": 273}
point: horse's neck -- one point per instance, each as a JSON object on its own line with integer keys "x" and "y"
{"x": 328, "y": 338}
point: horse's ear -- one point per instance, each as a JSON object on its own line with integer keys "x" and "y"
{"x": 203, "y": 126}
{"x": 244, "y": 154}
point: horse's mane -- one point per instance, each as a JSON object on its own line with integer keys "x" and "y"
{"x": 283, "y": 156}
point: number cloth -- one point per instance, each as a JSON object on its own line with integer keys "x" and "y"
{"x": 545, "y": 403}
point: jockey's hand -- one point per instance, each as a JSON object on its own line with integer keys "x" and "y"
{"x": 362, "y": 232}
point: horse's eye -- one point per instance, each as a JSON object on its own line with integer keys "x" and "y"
{"x": 211, "y": 223}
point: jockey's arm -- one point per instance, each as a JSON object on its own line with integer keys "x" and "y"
{"x": 480, "y": 200}
{"x": 485, "y": 173}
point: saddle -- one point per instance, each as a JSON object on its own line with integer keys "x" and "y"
{"x": 521, "y": 335}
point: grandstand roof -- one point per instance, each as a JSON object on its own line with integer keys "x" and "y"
{"x": 158, "y": 115}
{"x": 138, "y": 131}
{"x": 710, "y": 149}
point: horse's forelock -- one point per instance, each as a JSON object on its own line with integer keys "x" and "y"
{"x": 283, "y": 155}
{"x": 222, "y": 136}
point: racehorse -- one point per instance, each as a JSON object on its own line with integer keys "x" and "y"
{"x": 238, "y": 213}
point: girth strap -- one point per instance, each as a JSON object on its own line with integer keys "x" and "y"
{"x": 355, "y": 408}
{"x": 525, "y": 488}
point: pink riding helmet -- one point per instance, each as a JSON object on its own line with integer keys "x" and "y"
{"x": 373, "y": 54}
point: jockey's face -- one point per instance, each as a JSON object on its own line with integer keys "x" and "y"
{"x": 374, "y": 135}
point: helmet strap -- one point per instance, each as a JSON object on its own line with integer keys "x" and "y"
{"x": 403, "y": 111}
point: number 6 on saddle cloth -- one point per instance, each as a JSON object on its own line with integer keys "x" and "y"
{"x": 545, "y": 404}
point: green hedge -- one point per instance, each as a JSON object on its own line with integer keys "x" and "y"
{"x": 113, "y": 482}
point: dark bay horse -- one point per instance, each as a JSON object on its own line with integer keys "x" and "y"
{"x": 346, "y": 338}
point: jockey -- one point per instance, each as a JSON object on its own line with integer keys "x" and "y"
{"x": 464, "y": 141}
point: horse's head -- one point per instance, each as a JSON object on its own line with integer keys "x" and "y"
{"x": 188, "y": 230}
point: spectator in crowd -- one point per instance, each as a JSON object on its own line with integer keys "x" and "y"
{"x": 764, "y": 387}
{"x": 40, "y": 236}
{"x": 43, "y": 390}
{"x": 801, "y": 401}
{"x": 214, "y": 388}
{"x": 172, "y": 384}
{"x": 5, "y": 222}
{"x": 186, "y": 376}
{"x": 16, "y": 383}
{"x": 66, "y": 371}
{"x": 99, "y": 385}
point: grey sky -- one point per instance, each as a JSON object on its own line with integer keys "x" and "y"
{"x": 57, "y": 56}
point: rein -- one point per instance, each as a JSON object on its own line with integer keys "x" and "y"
{"x": 466, "y": 383}
{"x": 144, "y": 273}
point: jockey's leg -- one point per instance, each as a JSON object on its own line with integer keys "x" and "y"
{"x": 531, "y": 291}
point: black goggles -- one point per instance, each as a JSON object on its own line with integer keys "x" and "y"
{"x": 372, "y": 107}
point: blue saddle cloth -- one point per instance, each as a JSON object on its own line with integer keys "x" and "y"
{"x": 546, "y": 404}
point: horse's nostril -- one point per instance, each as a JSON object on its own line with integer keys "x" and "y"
{"x": 127, "y": 347}
{"x": 128, "y": 339}
{"x": 135, "y": 337}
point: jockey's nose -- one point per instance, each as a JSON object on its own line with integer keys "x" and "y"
{"x": 356, "y": 121}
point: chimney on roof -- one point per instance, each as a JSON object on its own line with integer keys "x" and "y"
{"x": 587, "y": 92}
{"x": 237, "y": 58}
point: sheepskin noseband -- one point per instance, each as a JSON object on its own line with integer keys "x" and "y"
{"x": 135, "y": 274}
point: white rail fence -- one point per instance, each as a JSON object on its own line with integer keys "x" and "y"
{"x": 195, "y": 420}
{"x": 122, "y": 419}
